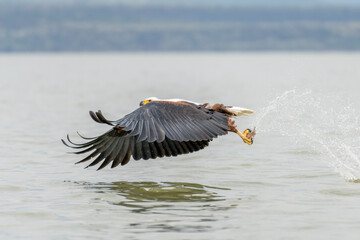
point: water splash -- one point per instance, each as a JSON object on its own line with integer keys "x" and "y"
{"x": 327, "y": 124}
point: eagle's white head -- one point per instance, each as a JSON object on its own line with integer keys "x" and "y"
{"x": 147, "y": 100}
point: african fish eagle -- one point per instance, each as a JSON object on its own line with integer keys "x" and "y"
{"x": 159, "y": 128}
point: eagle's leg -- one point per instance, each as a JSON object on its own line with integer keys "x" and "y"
{"x": 247, "y": 136}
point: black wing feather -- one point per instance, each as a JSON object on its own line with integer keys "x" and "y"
{"x": 160, "y": 149}
{"x": 138, "y": 151}
{"x": 99, "y": 117}
{"x": 128, "y": 154}
{"x": 146, "y": 152}
{"x": 153, "y": 150}
{"x": 167, "y": 149}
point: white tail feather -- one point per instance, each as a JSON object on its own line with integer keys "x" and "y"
{"x": 239, "y": 111}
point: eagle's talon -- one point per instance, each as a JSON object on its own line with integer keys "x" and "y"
{"x": 247, "y": 136}
{"x": 248, "y": 141}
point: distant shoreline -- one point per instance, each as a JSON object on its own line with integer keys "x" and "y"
{"x": 58, "y": 27}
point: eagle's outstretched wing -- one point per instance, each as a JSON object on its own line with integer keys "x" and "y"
{"x": 156, "y": 129}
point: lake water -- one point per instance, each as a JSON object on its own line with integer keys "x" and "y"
{"x": 300, "y": 179}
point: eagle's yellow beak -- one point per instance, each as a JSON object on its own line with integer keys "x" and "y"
{"x": 144, "y": 102}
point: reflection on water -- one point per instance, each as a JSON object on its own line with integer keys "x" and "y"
{"x": 163, "y": 192}
{"x": 179, "y": 206}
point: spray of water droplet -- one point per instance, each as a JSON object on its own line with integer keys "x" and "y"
{"x": 327, "y": 124}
